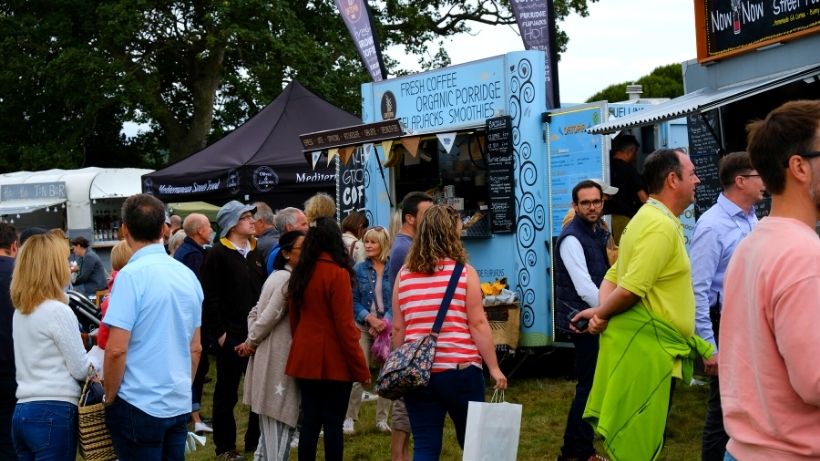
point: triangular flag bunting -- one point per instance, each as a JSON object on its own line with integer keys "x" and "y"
{"x": 447, "y": 141}
{"x": 368, "y": 149}
{"x": 315, "y": 155}
{"x": 387, "y": 146}
{"x": 345, "y": 153}
{"x": 330, "y": 154}
{"x": 412, "y": 145}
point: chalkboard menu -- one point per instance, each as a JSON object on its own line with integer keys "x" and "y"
{"x": 705, "y": 152}
{"x": 500, "y": 180}
{"x": 353, "y": 180}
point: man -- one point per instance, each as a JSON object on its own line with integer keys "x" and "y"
{"x": 175, "y": 223}
{"x": 191, "y": 253}
{"x": 8, "y": 383}
{"x": 288, "y": 219}
{"x": 717, "y": 234}
{"x": 769, "y": 378}
{"x": 580, "y": 265}
{"x": 626, "y": 178}
{"x": 91, "y": 275}
{"x": 153, "y": 346}
{"x": 647, "y": 299}
{"x": 413, "y": 207}
{"x": 232, "y": 277}
{"x": 266, "y": 234}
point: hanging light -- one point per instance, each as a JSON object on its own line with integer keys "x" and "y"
{"x": 94, "y": 201}
{"x": 18, "y": 215}
{"x": 64, "y": 205}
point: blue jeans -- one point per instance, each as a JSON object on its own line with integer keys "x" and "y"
{"x": 45, "y": 430}
{"x": 448, "y": 392}
{"x": 139, "y": 436}
{"x": 728, "y": 457}
{"x": 578, "y": 435}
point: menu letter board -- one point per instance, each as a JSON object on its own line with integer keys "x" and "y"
{"x": 500, "y": 181}
{"x": 353, "y": 180}
{"x": 704, "y": 151}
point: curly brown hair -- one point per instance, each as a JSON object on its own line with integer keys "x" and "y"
{"x": 437, "y": 237}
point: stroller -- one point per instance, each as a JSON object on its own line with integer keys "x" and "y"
{"x": 88, "y": 316}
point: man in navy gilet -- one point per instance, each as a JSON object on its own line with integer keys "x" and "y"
{"x": 580, "y": 265}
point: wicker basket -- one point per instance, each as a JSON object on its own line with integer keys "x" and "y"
{"x": 94, "y": 439}
{"x": 505, "y": 323}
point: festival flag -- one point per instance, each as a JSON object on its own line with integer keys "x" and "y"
{"x": 356, "y": 15}
{"x": 447, "y": 141}
{"x": 536, "y": 23}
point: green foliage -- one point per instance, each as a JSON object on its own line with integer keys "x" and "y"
{"x": 662, "y": 82}
{"x": 76, "y": 70}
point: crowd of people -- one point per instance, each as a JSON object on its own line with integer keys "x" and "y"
{"x": 307, "y": 309}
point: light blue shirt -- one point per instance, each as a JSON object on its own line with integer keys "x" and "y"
{"x": 159, "y": 301}
{"x": 717, "y": 234}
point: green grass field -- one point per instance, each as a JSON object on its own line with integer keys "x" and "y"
{"x": 545, "y": 403}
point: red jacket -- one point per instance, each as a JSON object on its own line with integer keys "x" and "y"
{"x": 325, "y": 337}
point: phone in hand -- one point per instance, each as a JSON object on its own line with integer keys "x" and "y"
{"x": 581, "y": 324}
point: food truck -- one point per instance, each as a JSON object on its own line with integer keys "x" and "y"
{"x": 479, "y": 136}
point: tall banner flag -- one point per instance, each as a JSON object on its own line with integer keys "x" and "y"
{"x": 358, "y": 21}
{"x": 536, "y": 23}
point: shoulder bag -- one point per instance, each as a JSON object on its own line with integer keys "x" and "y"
{"x": 408, "y": 367}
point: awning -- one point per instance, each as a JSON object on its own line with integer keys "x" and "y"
{"x": 703, "y": 100}
{"x": 20, "y": 206}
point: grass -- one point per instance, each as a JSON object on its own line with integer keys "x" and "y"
{"x": 545, "y": 395}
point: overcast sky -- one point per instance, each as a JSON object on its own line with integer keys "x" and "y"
{"x": 620, "y": 40}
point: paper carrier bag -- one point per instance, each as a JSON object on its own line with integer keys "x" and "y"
{"x": 492, "y": 430}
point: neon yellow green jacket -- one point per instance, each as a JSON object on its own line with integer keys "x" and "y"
{"x": 629, "y": 400}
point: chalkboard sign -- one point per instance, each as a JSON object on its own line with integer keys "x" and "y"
{"x": 353, "y": 180}
{"x": 500, "y": 180}
{"x": 705, "y": 152}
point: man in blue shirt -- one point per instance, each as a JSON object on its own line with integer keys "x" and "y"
{"x": 154, "y": 316}
{"x": 717, "y": 234}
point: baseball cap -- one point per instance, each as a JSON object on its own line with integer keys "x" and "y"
{"x": 605, "y": 188}
{"x": 229, "y": 214}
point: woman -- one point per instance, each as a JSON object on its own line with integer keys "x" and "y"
{"x": 372, "y": 311}
{"x": 465, "y": 336}
{"x": 269, "y": 393}
{"x": 50, "y": 357}
{"x": 325, "y": 356}
{"x": 120, "y": 255}
{"x": 320, "y": 205}
{"x": 353, "y": 227}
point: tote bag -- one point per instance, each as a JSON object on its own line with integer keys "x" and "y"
{"x": 492, "y": 430}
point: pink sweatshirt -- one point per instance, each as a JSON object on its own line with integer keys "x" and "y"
{"x": 770, "y": 346}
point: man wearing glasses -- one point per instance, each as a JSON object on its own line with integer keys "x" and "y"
{"x": 769, "y": 378}
{"x": 580, "y": 265}
{"x": 232, "y": 276}
{"x": 717, "y": 233}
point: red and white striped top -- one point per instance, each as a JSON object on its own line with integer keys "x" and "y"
{"x": 420, "y": 297}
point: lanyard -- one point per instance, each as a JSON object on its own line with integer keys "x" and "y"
{"x": 660, "y": 206}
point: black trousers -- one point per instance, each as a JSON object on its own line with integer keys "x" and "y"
{"x": 229, "y": 370}
{"x": 8, "y": 388}
{"x": 715, "y": 437}
{"x": 324, "y": 404}
{"x": 578, "y": 435}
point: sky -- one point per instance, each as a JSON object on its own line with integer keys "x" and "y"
{"x": 620, "y": 40}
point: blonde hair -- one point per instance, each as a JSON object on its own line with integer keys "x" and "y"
{"x": 120, "y": 255}
{"x": 320, "y": 205}
{"x": 175, "y": 242}
{"x": 381, "y": 236}
{"x": 437, "y": 237}
{"x": 40, "y": 272}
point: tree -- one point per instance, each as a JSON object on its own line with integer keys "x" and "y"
{"x": 76, "y": 70}
{"x": 662, "y": 82}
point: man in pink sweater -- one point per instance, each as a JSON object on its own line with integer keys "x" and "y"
{"x": 770, "y": 381}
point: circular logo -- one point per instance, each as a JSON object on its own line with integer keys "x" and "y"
{"x": 353, "y": 10}
{"x": 147, "y": 186}
{"x": 264, "y": 178}
{"x": 388, "y": 106}
{"x": 233, "y": 182}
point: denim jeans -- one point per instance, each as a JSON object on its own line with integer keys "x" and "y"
{"x": 139, "y": 436}
{"x": 448, "y": 392}
{"x": 45, "y": 430}
{"x": 728, "y": 457}
{"x": 578, "y": 435}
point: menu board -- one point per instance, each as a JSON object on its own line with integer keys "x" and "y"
{"x": 353, "y": 180}
{"x": 500, "y": 179}
{"x": 705, "y": 152}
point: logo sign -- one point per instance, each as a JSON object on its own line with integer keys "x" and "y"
{"x": 354, "y": 135}
{"x": 533, "y": 20}
{"x": 352, "y": 9}
{"x": 388, "y": 105}
{"x": 233, "y": 181}
{"x": 265, "y": 179}
{"x": 357, "y": 21}
{"x": 730, "y": 27}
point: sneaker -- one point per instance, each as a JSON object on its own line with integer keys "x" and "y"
{"x": 201, "y": 428}
{"x": 231, "y": 455}
{"x": 348, "y": 427}
{"x": 382, "y": 426}
{"x": 294, "y": 441}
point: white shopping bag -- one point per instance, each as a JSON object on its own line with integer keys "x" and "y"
{"x": 492, "y": 430}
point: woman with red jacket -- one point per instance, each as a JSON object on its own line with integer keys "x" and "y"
{"x": 325, "y": 356}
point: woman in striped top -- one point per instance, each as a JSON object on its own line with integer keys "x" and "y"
{"x": 465, "y": 338}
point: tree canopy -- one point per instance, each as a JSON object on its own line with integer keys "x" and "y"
{"x": 663, "y": 82}
{"x": 76, "y": 70}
